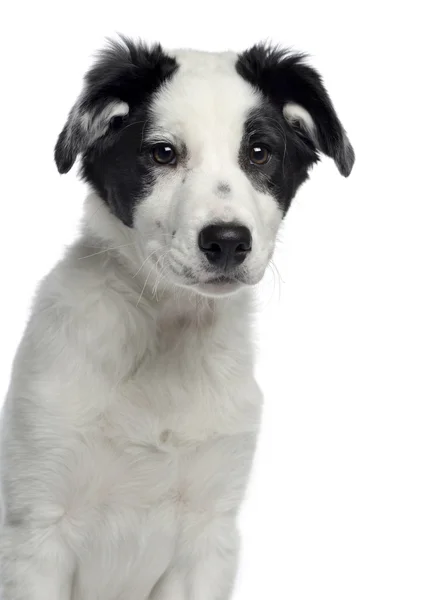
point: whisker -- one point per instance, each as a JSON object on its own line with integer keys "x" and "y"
{"x": 147, "y": 278}
{"x": 277, "y": 270}
{"x": 147, "y": 259}
{"x": 141, "y": 294}
{"x": 130, "y": 125}
{"x": 106, "y": 250}
{"x": 163, "y": 271}
{"x": 156, "y": 283}
{"x": 142, "y": 232}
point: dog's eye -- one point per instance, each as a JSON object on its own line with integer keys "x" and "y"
{"x": 164, "y": 154}
{"x": 259, "y": 154}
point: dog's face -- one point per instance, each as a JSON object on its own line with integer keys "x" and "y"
{"x": 201, "y": 154}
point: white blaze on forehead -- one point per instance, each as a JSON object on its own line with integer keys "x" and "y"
{"x": 205, "y": 104}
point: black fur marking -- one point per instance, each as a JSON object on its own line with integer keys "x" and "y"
{"x": 116, "y": 162}
{"x": 290, "y": 155}
{"x": 284, "y": 77}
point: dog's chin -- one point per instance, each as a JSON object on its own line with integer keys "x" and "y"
{"x": 218, "y": 288}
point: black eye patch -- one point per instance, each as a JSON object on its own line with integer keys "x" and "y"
{"x": 283, "y": 156}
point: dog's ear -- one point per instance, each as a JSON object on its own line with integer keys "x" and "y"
{"x": 122, "y": 77}
{"x": 297, "y": 88}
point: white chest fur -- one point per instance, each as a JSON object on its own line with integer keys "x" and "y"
{"x": 129, "y": 431}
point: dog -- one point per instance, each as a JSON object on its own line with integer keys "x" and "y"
{"x": 131, "y": 420}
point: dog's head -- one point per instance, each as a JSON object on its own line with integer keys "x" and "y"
{"x": 201, "y": 153}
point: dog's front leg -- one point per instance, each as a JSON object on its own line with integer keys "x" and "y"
{"x": 34, "y": 564}
{"x": 212, "y": 576}
{"x": 206, "y": 564}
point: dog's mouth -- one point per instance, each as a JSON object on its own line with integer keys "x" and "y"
{"x": 219, "y": 285}
{"x": 221, "y": 280}
{"x": 210, "y": 283}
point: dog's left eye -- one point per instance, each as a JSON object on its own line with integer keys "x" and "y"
{"x": 164, "y": 154}
{"x": 259, "y": 154}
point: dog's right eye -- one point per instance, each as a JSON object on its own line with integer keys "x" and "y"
{"x": 164, "y": 154}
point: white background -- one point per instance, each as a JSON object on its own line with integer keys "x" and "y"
{"x": 342, "y": 500}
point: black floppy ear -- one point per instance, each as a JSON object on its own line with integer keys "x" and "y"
{"x": 299, "y": 91}
{"x": 121, "y": 78}
{"x": 86, "y": 124}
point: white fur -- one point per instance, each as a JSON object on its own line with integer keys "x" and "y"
{"x": 132, "y": 415}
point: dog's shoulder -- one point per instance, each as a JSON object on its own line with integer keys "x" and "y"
{"x": 84, "y": 324}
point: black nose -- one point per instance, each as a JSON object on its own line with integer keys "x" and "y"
{"x": 225, "y": 246}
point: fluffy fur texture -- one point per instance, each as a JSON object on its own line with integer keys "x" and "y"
{"x": 131, "y": 420}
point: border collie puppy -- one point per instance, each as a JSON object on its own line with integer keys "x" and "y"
{"x": 131, "y": 420}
